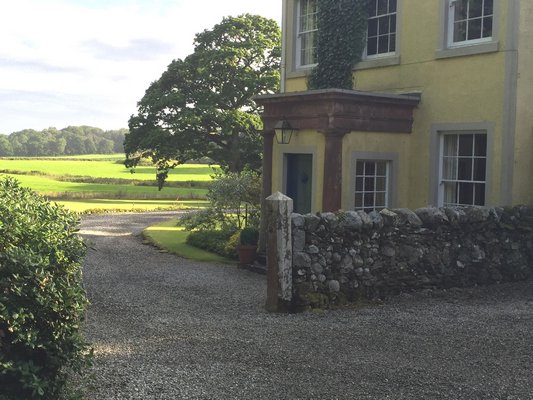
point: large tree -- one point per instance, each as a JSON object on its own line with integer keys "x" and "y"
{"x": 202, "y": 106}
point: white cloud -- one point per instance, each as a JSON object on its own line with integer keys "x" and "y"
{"x": 89, "y": 61}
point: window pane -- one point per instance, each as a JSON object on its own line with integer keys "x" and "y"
{"x": 308, "y": 49}
{"x": 476, "y": 8}
{"x": 381, "y": 168}
{"x": 358, "y": 200}
{"x": 460, "y": 10}
{"x": 479, "y": 197}
{"x": 450, "y": 145}
{"x": 487, "y": 27}
{"x": 372, "y": 8}
{"x": 459, "y": 34}
{"x": 360, "y": 168}
{"x": 380, "y": 200}
{"x": 372, "y": 46}
{"x": 372, "y": 27}
{"x": 449, "y": 168}
{"x": 369, "y": 200}
{"x": 480, "y": 169}
{"x": 450, "y": 193}
{"x": 359, "y": 184}
{"x": 383, "y": 45}
{"x": 381, "y": 184}
{"x": 392, "y": 6}
{"x": 466, "y": 193}
{"x": 392, "y": 23}
{"x": 384, "y": 25}
{"x": 370, "y": 184}
{"x": 464, "y": 172}
{"x": 480, "y": 145}
{"x": 392, "y": 43}
{"x": 370, "y": 168}
{"x": 466, "y": 145}
{"x": 488, "y": 7}
{"x": 382, "y": 7}
{"x": 474, "y": 29}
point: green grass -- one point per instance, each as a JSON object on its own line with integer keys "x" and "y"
{"x": 101, "y": 182}
{"x": 103, "y": 167}
{"x": 170, "y": 237}
{"x": 102, "y": 205}
{"x": 70, "y": 190}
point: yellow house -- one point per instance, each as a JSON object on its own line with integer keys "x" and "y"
{"x": 440, "y": 115}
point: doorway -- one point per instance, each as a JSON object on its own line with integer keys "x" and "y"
{"x": 298, "y": 181}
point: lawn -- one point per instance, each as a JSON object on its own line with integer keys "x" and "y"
{"x": 168, "y": 236}
{"x": 74, "y": 190}
{"x": 102, "y": 182}
{"x": 103, "y": 167}
{"x": 101, "y": 205}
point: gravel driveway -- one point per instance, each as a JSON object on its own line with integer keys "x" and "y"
{"x": 168, "y": 328}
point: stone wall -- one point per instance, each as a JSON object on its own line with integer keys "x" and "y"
{"x": 348, "y": 256}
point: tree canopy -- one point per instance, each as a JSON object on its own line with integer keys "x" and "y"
{"x": 202, "y": 105}
{"x": 72, "y": 140}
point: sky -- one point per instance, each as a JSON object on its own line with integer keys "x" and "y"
{"x": 88, "y": 62}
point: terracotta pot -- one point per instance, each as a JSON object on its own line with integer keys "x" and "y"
{"x": 247, "y": 253}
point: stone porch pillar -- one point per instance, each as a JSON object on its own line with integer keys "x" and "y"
{"x": 332, "y": 193}
{"x": 268, "y": 149}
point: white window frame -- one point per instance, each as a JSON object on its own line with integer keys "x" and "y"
{"x": 299, "y": 35}
{"x": 442, "y": 181}
{"x": 366, "y": 56}
{"x": 451, "y": 27}
{"x": 392, "y": 160}
{"x": 374, "y": 191}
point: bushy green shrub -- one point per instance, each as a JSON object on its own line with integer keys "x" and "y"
{"x": 234, "y": 202}
{"x": 230, "y": 247}
{"x": 202, "y": 220}
{"x": 249, "y": 236}
{"x": 42, "y": 300}
{"x": 213, "y": 241}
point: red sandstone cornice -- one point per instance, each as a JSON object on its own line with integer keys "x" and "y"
{"x": 338, "y": 110}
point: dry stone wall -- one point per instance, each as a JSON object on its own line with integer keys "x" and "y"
{"x": 349, "y": 256}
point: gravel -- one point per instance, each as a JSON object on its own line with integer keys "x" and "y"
{"x": 168, "y": 328}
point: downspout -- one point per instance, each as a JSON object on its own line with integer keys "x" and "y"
{"x": 283, "y": 72}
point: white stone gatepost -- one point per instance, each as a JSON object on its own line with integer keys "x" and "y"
{"x": 279, "y": 252}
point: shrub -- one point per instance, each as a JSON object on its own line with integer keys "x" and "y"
{"x": 249, "y": 236}
{"x": 202, "y": 220}
{"x": 42, "y": 301}
{"x": 238, "y": 197}
{"x": 230, "y": 247}
{"x": 213, "y": 241}
{"x": 234, "y": 202}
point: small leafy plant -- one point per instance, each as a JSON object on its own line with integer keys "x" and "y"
{"x": 249, "y": 236}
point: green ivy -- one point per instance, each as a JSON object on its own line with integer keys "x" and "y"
{"x": 340, "y": 42}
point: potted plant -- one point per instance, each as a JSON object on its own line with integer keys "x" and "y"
{"x": 247, "y": 248}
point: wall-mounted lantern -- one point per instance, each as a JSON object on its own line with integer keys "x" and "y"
{"x": 284, "y": 131}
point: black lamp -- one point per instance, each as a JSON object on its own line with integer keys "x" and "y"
{"x": 284, "y": 131}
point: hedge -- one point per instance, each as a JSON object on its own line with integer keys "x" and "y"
{"x": 42, "y": 300}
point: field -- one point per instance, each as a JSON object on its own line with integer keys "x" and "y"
{"x": 101, "y": 182}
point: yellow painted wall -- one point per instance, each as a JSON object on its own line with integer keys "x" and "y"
{"x": 459, "y": 90}
{"x": 523, "y": 166}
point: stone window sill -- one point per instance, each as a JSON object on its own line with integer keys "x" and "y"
{"x": 467, "y": 50}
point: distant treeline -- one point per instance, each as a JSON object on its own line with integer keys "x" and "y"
{"x": 73, "y": 140}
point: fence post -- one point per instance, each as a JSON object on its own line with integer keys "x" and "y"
{"x": 279, "y": 252}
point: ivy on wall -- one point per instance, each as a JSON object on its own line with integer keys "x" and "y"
{"x": 340, "y": 42}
